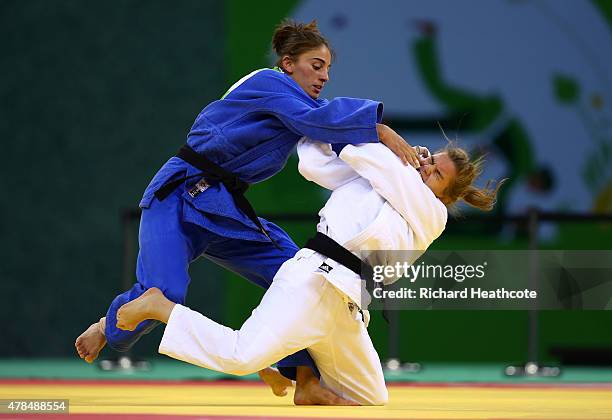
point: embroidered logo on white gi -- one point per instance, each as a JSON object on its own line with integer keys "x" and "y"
{"x": 325, "y": 268}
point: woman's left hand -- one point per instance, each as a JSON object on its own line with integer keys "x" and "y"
{"x": 398, "y": 145}
{"x": 423, "y": 154}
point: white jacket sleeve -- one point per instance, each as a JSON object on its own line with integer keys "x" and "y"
{"x": 320, "y": 164}
{"x": 401, "y": 186}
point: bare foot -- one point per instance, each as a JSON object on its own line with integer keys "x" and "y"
{"x": 312, "y": 393}
{"x": 275, "y": 380}
{"x": 90, "y": 342}
{"x": 133, "y": 313}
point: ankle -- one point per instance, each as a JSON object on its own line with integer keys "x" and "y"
{"x": 102, "y": 326}
{"x": 305, "y": 376}
{"x": 162, "y": 312}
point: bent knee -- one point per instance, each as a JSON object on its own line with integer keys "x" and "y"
{"x": 240, "y": 371}
{"x": 381, "y": 397}
{"x": 244, "y": 364}
{"x": 240, "y": 368}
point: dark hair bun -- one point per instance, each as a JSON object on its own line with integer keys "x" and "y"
{"x": 292, "y": 38}
{"x": 290, "y": 32}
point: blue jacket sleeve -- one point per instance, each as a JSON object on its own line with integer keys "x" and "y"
{"x": 341, "y": 120}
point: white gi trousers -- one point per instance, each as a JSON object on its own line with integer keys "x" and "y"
{"x": 301, "y": 309}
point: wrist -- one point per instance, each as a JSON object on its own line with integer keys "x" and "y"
{"x": 382, "y": 130}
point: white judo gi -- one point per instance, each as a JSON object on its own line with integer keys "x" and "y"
{"x": 377, "y": 203}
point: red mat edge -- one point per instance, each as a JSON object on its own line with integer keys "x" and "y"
{"x": 130, "y": 382}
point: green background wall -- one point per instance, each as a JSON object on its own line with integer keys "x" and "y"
{"x": 95, "y": 97}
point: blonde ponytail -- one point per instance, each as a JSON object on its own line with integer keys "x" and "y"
{"x": 461, "y": 188}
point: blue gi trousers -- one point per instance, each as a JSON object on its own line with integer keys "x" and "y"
{"x": 169, "y": 244}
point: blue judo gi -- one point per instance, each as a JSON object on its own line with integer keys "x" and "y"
{"x": 251, "y": 132}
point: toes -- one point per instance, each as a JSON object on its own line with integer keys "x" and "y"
{"x": 279, "y": 392}
{"x": 80, "y": 350}
{"x": 91, "y": 357}
{"x": 120, "y": 323}
{"x": 124, "y": 326}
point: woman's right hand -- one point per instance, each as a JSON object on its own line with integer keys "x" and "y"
{"x": 398, "y": 145}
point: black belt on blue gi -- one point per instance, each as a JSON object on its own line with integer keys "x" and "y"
{"x": 326, "y": 246}
{"x": 213, "y": 173}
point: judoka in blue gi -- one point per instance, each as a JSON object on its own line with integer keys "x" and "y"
{"x": 197, "y": 209}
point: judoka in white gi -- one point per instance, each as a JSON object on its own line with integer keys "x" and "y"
{"x": 377, "y": 203}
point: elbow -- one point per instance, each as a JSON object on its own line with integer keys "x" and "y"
{"x": 428, "y": 226}
{"x": 439, "y": 226}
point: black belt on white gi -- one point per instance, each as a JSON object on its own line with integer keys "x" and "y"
{"x": 213, "y": 173}
{"x": 326, "y": 246}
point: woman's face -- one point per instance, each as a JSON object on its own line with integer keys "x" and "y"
{"x": 310, "y": 70}
{"x": 437, "y": 172}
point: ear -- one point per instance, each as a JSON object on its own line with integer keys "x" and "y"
{"x": 287, "y": 64}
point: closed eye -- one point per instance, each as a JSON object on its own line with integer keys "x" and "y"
{"x": 438, "y": 174}
{"x": 318, "y": 64}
